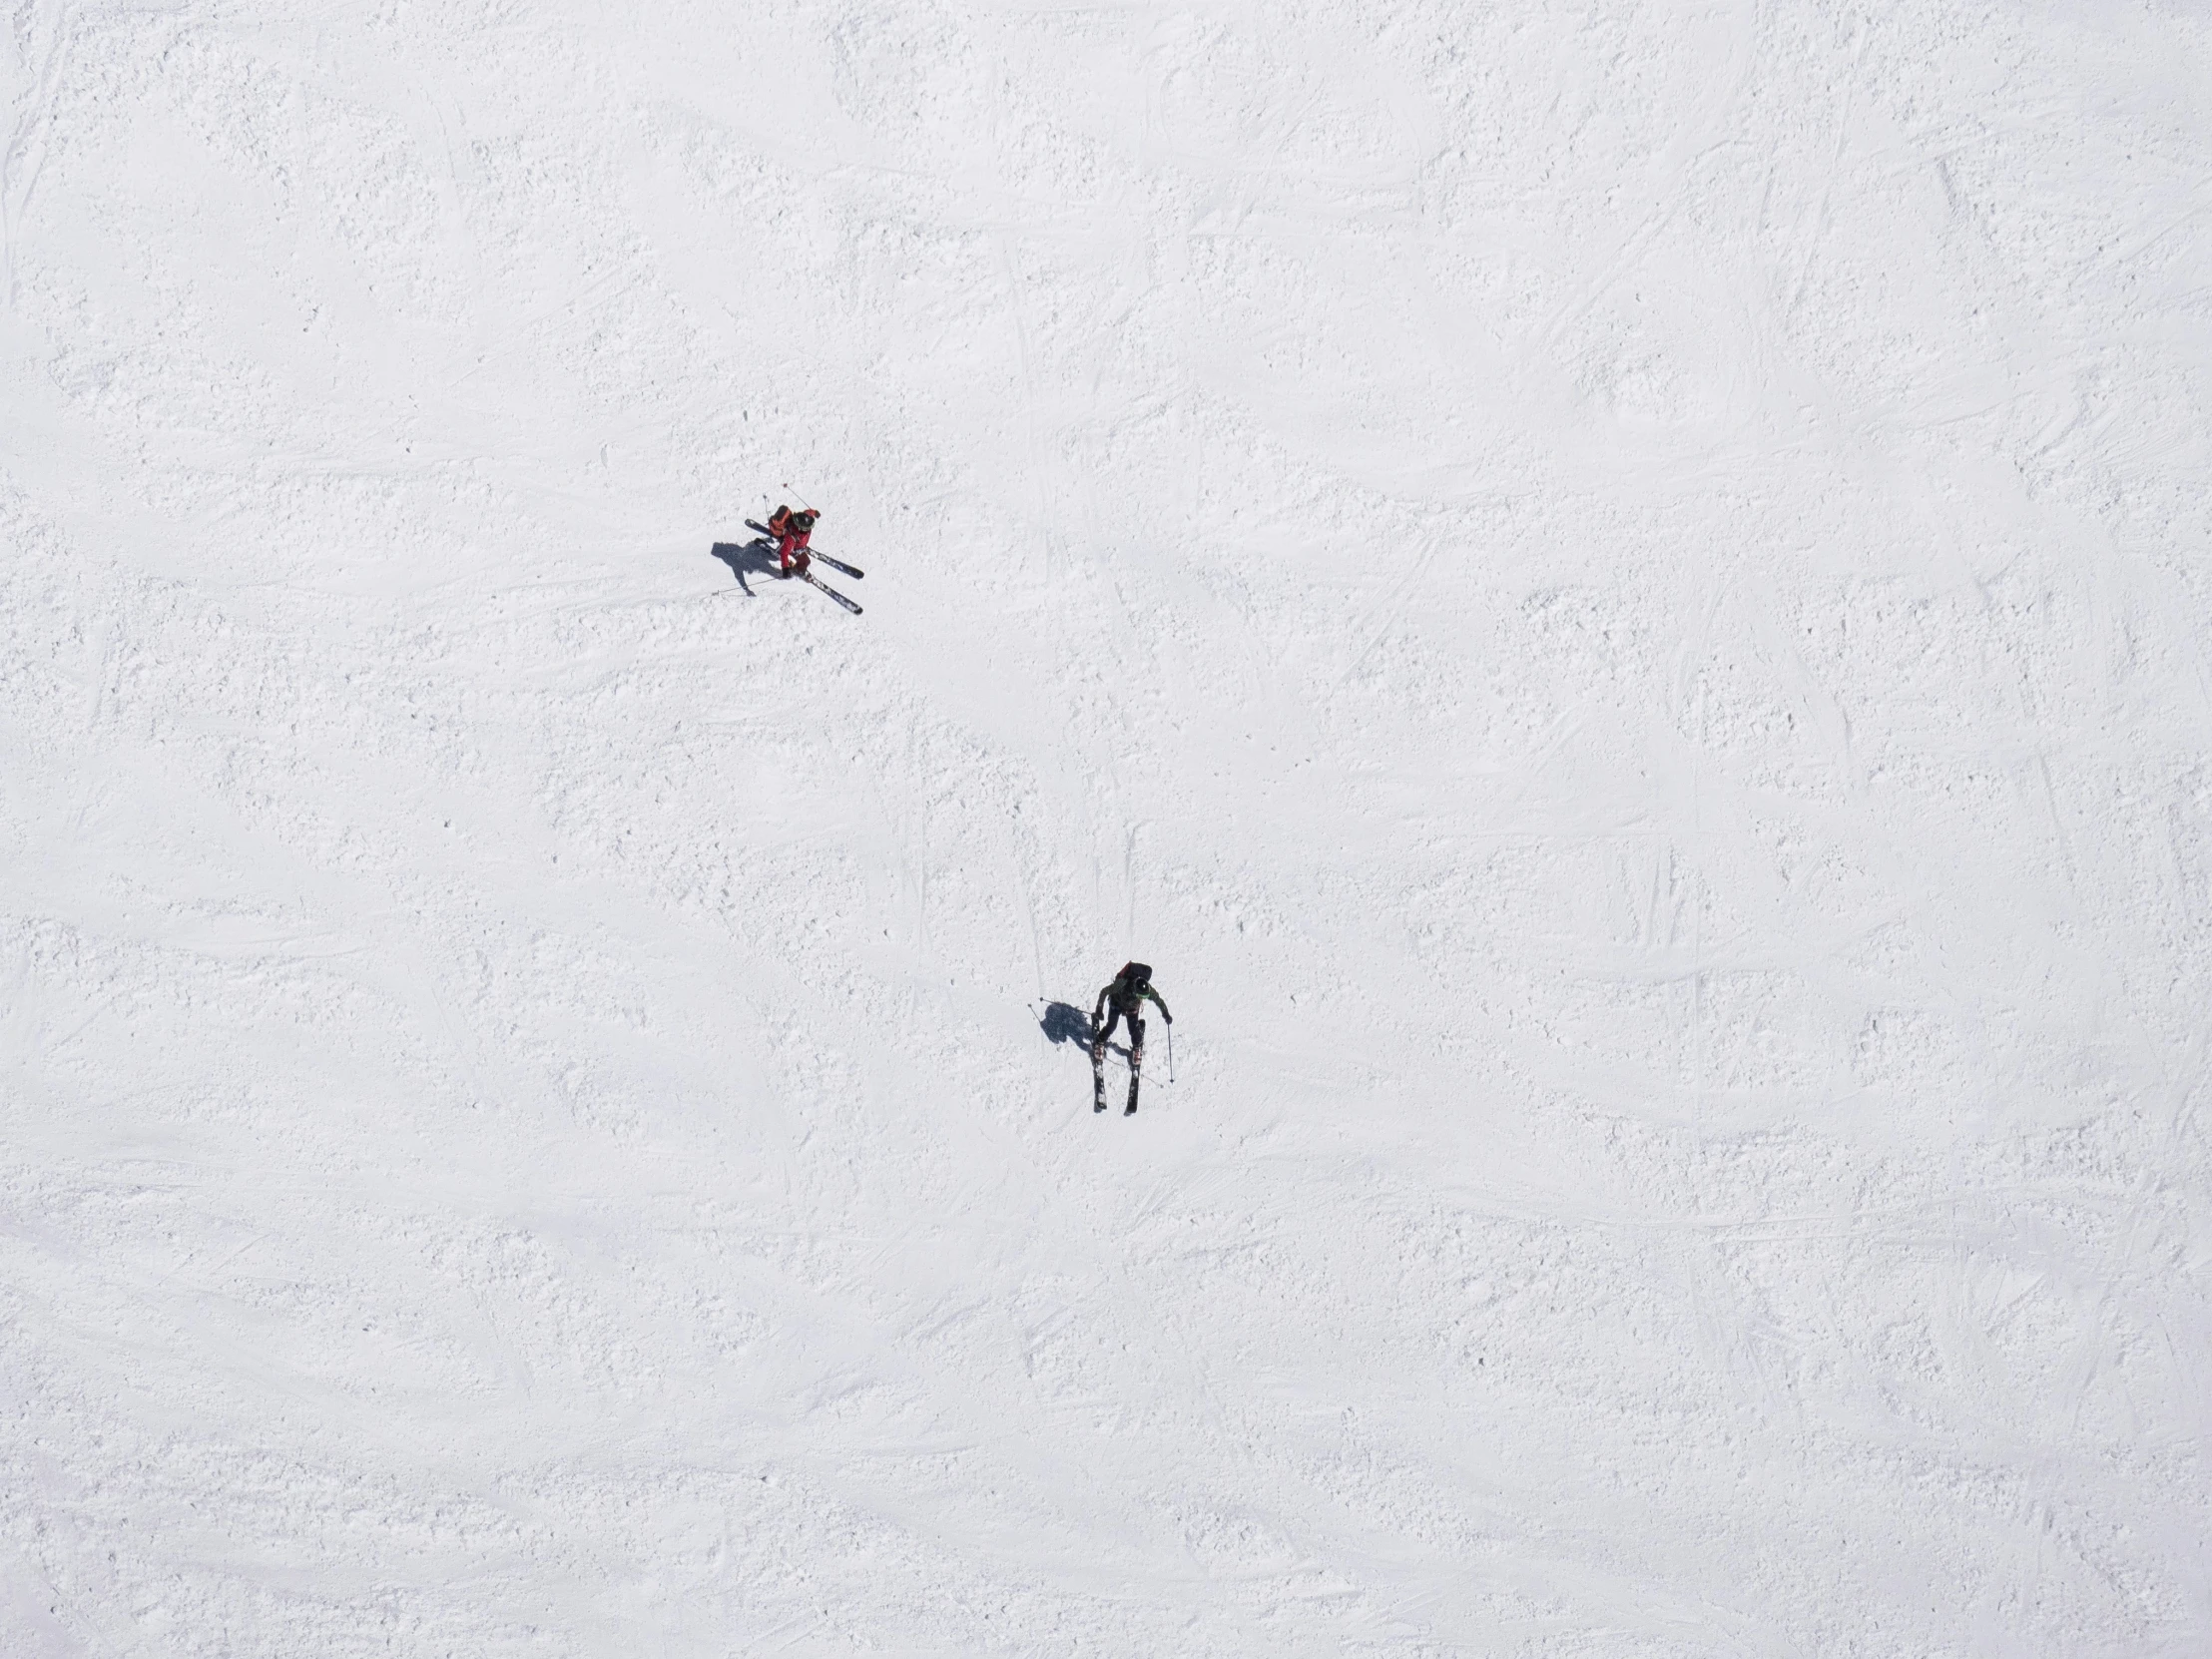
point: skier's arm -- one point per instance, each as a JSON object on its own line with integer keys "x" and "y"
{"x": 1098, "y": 1013}
{"x": 1159, "y": 1004}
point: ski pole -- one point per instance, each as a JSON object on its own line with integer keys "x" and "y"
{"x": 1171, "y": 1051}
{"x": 796, "y": 496}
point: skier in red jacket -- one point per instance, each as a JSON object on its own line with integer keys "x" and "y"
{"x": 791, "y": 531}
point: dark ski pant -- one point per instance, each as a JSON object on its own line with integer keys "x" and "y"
{"x": 1114, "y": 1016}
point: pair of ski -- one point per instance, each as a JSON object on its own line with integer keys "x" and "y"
{"x": 1098, "y": 1080}
{"x": 807, "y": 576}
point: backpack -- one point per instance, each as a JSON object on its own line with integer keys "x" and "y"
{"x": 1133, "y": 977}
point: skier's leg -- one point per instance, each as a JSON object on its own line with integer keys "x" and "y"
{"x": 1098, "y": 1042}
{"x": 1136, "y": 1061}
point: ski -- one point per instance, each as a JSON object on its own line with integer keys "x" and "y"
{"x": 1098, "y": 1080}
{"x": 853, "y": 571}
{"x": 808, "y": 577}
{"x": 1135, "y": 1062}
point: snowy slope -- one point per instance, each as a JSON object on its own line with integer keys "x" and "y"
{"x": 1617, "y": 598}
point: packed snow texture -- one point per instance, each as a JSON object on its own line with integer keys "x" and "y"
{"x": 1615, "y": 595}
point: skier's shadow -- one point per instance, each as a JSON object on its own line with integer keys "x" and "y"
{"x": 1065, "y": 1024}
{"x": 755, "y": 556}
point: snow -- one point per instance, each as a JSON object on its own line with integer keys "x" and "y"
{"x": 1616, "y": 597}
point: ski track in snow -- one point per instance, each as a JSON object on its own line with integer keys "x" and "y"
{"x": 1617, "y": 598}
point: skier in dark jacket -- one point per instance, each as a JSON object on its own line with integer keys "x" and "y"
{"x": 791, "y": 531}
{"x": 1126, "y": 996}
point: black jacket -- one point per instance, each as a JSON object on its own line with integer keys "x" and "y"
{"x": 1128, "y": 1001}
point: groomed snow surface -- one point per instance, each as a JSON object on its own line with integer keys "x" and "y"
{"x": 1616, "y": 597}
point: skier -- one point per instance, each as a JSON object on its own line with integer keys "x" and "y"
{"x": 791, "y": 531}
{"x": 1127, "y": 996}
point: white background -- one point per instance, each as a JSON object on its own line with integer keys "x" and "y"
{"x": 1615, "y": 595}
